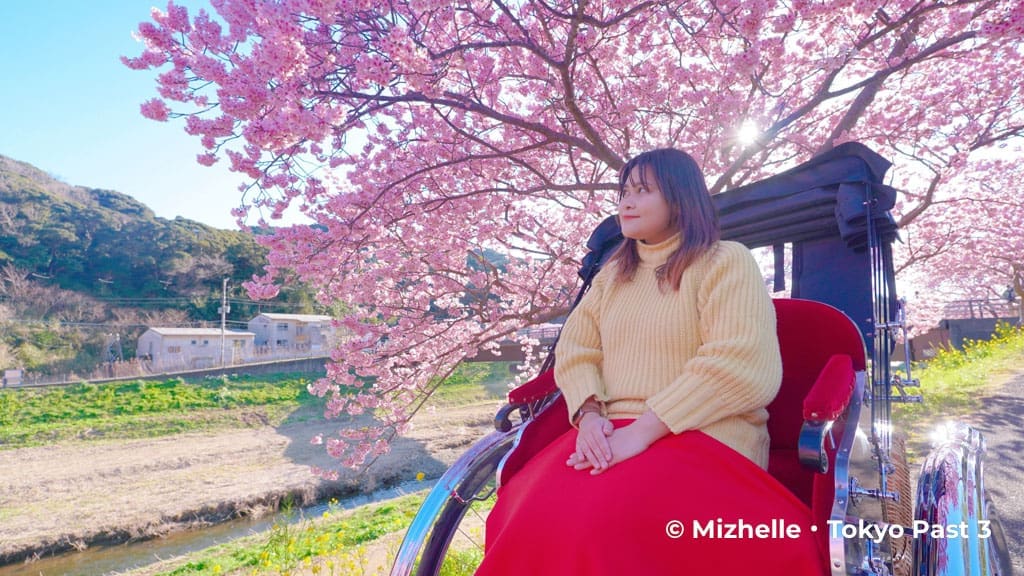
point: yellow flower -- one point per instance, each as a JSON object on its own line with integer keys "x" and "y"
{"x": 420, "y": 476}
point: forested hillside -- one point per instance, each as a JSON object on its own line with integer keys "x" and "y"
{"x": 105, "y": 243}
{"x": 80, "y": 265}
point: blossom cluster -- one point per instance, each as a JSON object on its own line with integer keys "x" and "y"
{"x": 454, "y": 156}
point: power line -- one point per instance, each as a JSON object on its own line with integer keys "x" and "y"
{"x": 146, "y": 299}
{"x": 63, "y": 324}
{"x": 267, "y": 303}
{"x": 175, "y": 300}
{"x": 43, "y": 324}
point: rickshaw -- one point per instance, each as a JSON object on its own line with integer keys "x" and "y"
{"x": 833, "y": 445}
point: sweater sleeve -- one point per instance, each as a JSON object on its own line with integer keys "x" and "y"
{"x": 578, "y": 354}
{"x": 737, "y": 367}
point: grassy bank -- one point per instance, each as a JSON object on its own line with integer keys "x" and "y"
{"x": 355, "y": 542}
{"x": 953, "y": 382}
{"x": 332, "y": 542}
{"x": 140, "y": 409}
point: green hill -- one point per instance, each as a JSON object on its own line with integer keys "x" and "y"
{"x": 104, "y": 243}
{"x": 79, "y": 266}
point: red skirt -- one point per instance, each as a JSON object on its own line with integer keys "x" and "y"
{"x": 687, "y": 505}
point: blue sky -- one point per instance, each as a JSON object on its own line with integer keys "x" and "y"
{"x": 69, "y": 107}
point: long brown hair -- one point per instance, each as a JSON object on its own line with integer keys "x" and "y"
{"x": 682, "y": 183}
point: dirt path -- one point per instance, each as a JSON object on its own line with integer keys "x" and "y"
{"x": 1000, "y": 421}
{"x": 78, "y": 494}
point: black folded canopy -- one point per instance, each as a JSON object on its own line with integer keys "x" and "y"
{"x": 829, "y": 196}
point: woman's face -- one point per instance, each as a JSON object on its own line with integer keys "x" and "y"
{"x": 644, "y": 214}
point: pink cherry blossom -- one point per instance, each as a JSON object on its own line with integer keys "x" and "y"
{"x": 155, "y": 109}
{"x": 455, "y": 156}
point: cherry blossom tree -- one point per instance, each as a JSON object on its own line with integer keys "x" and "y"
{"x": 972, "y": 250}
{"x": 418, "y": 134}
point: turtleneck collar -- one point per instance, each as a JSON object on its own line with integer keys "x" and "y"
{"x": 657, "y": 254}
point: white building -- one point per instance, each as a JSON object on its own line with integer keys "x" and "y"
{"x": 177, "y": 348}
{"x": 294, "y": 332}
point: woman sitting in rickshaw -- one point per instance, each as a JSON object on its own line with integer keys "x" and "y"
{"x": 667, "y": 366}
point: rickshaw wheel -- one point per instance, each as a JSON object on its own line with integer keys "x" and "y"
{"x": 902, "y": 512}
{"x": 477, "y": 487}
{"x": 998, "y": 547}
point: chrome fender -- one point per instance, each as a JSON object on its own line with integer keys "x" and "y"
{"x": 951, "y": 526}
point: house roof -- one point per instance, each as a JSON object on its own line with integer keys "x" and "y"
{"x": 200, "y": 332}
{"x": 296, "y": 317}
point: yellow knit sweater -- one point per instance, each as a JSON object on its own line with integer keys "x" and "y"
{"x": 703, "y": 358}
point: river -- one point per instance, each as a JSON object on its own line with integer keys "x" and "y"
{"x": 121, "y": 558}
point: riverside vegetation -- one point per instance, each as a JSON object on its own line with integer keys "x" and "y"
{"x": 31, "y": 417}
{"x": 137, "y": 409}
{"x": 90, "y": 416}
{"x": 335, "y": 543}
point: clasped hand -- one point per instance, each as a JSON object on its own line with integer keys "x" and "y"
{"x": 599, "y": 445}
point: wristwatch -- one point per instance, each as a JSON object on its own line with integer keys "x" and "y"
{"x": 600, "y": 410}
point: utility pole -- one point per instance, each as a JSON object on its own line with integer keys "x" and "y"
{"x": 224, "y": 309}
